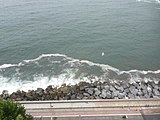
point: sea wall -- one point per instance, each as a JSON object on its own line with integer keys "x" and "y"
{"x": 84, "y": 90}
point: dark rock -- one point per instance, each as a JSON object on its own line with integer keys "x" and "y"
{"x": 5, "y": 94}
{"x": 73, "y": 97}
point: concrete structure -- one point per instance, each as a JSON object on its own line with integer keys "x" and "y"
{"x": 143, "y": 109}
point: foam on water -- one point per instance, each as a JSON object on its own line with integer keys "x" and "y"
{"x": 56, "y": 69}
{"x": 149, "y": 1}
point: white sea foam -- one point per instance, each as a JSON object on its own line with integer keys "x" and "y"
{"x": 7, "y": 66}
{"x": 158, "y": 1}
{"x": 33, "y": 73}
{"x": 149, "y": 1}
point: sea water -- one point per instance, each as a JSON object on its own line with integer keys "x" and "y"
{"x": 51, "y": 42}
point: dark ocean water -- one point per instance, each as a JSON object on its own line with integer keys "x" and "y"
{"x": 45, "y": 42}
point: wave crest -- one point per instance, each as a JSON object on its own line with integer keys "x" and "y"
{"x": 56, "y": 69}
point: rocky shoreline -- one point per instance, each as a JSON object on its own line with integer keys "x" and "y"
{"x": 84, "y": 90}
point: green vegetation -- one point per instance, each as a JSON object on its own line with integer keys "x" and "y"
{"x": 10, "y": 110}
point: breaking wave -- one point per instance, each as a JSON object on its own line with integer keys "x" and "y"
{"x": 149, "y": 1}
{"x": 57, "y": 69}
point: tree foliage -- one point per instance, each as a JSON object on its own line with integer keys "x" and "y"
{"x": 10, "y": 110}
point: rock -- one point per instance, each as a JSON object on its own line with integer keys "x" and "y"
{"x": 155, "y": 97}
{"x": 29, "y": 97}
{"x": 131, "y": 96}
{"x": 139, "y": 93}
{"x": 126, "y": 90}
{"x": 106, "y": 87}
{"x": 149, "y": 89}
{"x": 65, "y": 89}
{"x": 73, "y": 97}
{"x": 156, "y": 87}
{"x": 134, "y": 91}
{"x": 108, "y": 95}
{"x": 82, "y": 88}
{"x": 5, "y": 94}
{"x": 49, "y": 88}
{"x": 142, "y": 87}
{"x": 137, "y": 97}
{"x": 112, "y": 88}
{"x": 99, "y": 87}
{"x": 146, "y": 96}
{"x": 120, "y": 95}
{"x": 97, "y": 91}
{"x": 131, "y": 88}
{"x": 120, "y": 89}
{"x": 89, "y": 90}
{"x": 39, "y": 91}
{"x": 144, "y": 91}
{"x": 124, "y": 86}
{"x": 86, "y": 94}
{"x": 115, "y": 94}
{"x": 156, "y": 92}
{"x": 103, "y": 94}
{"x": 18, "y": 99}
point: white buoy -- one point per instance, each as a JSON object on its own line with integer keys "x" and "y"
{"x": 102, "y": 53}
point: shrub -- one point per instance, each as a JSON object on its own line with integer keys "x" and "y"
{"x": 10, "y": 110}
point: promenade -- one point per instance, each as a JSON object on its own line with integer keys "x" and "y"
{"x": 143, "y": 109}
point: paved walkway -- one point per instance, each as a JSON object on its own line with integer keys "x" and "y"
{"x": 94, "y": 109}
